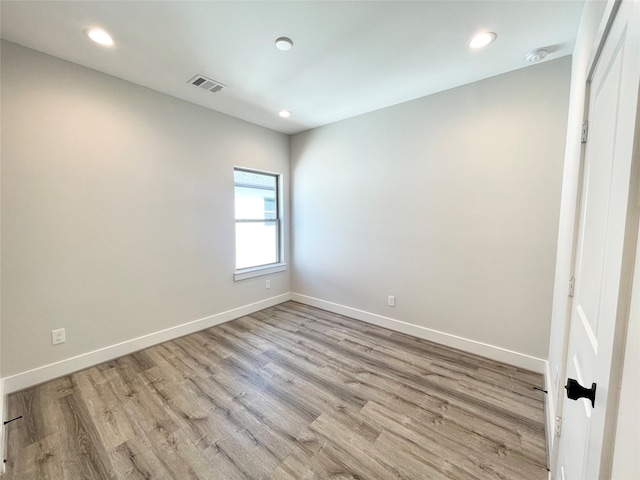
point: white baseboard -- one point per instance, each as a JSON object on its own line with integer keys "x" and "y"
{"x": 492, "y": 352}
{"x": 45, "y": 373}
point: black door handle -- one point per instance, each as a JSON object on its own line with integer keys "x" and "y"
{"x": 576, "y": 391}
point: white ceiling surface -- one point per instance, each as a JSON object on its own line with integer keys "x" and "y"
{"x": 349, "y": 57}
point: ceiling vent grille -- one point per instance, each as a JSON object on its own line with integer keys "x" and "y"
{"x": 205, "y": 83}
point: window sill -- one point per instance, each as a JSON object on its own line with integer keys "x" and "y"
{"x": 259, "y": 271}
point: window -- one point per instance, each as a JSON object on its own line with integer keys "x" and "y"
{"x": 258, "y": 226}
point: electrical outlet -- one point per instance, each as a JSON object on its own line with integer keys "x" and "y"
{"x": 58, "y": 336}
{"x": 391, "y": 301}
{"x": 267, "y": 284}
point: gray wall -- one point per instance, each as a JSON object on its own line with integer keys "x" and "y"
{"x": 449, "y": 202}
{"x": 117, "y": 209}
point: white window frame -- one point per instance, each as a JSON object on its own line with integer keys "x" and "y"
{"x": 279, "y": 265}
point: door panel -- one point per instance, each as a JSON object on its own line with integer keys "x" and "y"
{"x": 613, "y": 96}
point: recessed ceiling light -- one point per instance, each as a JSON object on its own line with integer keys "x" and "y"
{"x": 537, "y": 54}
{"x": 100, "y": 36}
{"x": 482, "y": 39}
{"x": 284, "y": 113}
{"x": 284, "y": 43}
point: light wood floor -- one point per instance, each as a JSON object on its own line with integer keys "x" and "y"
{"x": 288, "y": 393}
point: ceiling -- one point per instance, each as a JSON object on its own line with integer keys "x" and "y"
{"x": 349, "y": 57}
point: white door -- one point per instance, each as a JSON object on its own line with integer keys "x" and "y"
{"x": 598, "y": 302}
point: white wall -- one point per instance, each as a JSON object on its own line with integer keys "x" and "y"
{"x": 449, "y": 202}
{"x": 117, "y": 209}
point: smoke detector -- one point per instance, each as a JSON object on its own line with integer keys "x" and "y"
{"x": 538, "y": 54}
{"x": 205, "y": 83}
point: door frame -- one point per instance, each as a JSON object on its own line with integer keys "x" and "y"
{"x": 628, "y": 263}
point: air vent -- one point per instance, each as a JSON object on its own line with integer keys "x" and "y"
{"x": 205, "y": 83}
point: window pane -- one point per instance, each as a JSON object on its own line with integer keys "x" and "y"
{"x": 255, "y": 195}
{"x": 254, "y": 204}
{"x": 256, "y": 244}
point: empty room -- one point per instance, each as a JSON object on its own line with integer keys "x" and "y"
{"x": 320, "y": 239}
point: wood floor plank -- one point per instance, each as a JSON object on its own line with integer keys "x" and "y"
{"x": 437, "y": 432}
{"x": 137, "y": 462}
{"x": 41, "y": 460}
{"x": 109, "y": 418}
{"x": 288, "y": 393}
{"x": 295, "y": 468}
{"x": 84, "y": 440}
